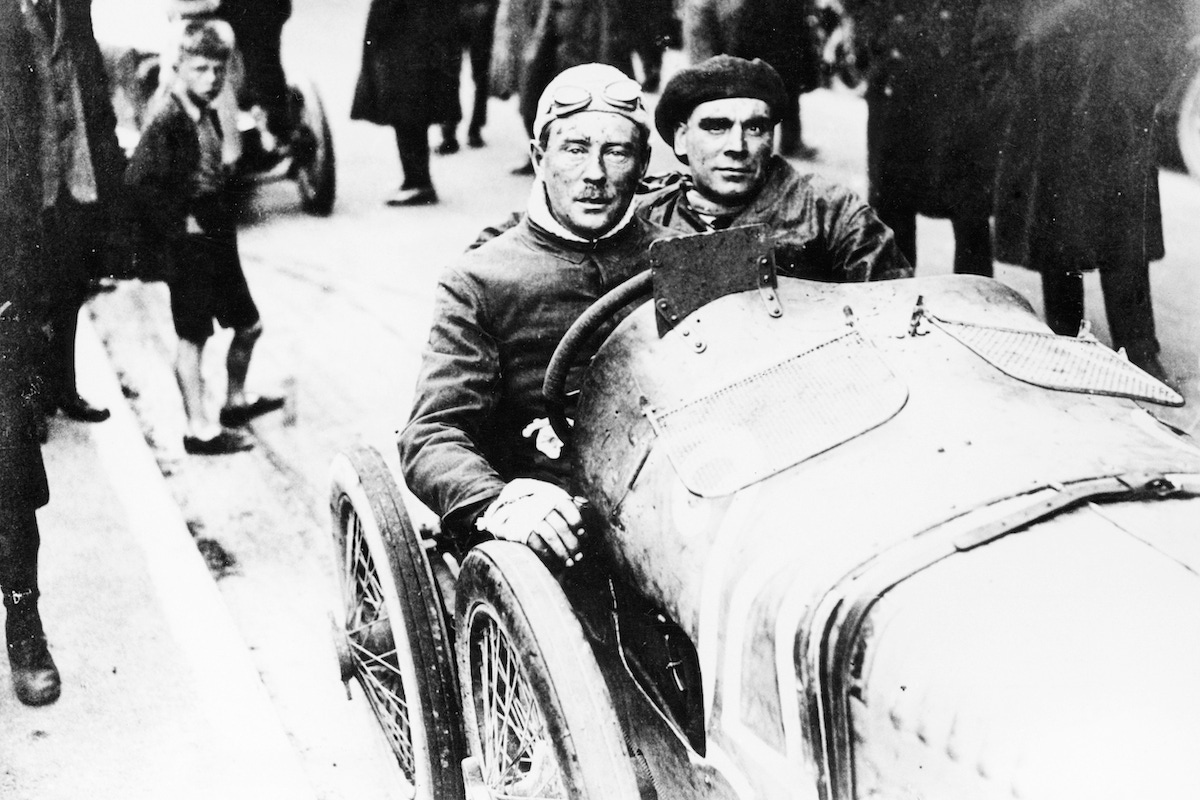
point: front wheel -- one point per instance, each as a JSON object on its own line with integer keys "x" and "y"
{"x": 538, "y": 716}
{"x": 393, "y": 637}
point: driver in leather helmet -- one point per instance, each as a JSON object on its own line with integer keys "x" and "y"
{"x": 478, "y": 448}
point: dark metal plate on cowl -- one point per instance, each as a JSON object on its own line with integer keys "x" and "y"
{"x": 1059, "y": 362}
{"x": 692, "y": 271}
{"x": 780, "y": 416}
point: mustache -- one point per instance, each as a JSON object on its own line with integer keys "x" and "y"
{"x": 588, "y": 197}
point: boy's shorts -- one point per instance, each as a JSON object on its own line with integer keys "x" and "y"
{"x": 209, "y": 284}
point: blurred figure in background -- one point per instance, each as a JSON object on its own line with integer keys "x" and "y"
{"x": 1077, "y": 180}
{"x": 929, "y": 141}
{"x": 476, "y": 25}
{"x": 23, "y": 487}
{"x": 780, "y": 32}
{"x": 537, "y": 39}
{"x": 409, "y": 81}
{"x": 652, "y": 30}
{"x": 81, "y": 171}
{"x": 258, "y": 29}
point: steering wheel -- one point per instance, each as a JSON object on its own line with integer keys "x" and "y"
{"x": 554, "y": 387}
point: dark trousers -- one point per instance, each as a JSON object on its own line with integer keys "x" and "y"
{"x": 1126, "y": 287}
{"x": 413, "y": 144}
{"x": 972, "y": 238}
{"x": 479, "y": 50}
{"x": 74, "y": 240}
{"x": 258, "y": 29}
{"x": 19, "y": 543}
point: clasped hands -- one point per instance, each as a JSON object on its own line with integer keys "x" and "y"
{"x": 538, "y": 514}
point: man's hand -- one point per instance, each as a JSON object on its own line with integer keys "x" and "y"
{"x": 538, "y": 514}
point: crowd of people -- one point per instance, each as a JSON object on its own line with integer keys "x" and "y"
{"x": 1027, "y": 123}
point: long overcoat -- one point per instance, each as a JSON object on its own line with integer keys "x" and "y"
{"x": 1077, "y": 83}
{"x": 410, "y": 64}
{"x": 22, "y": 477}
{"x": 537, "y": 39}
{"x": 929, "y": 143}
{"x": 779, "y": 32}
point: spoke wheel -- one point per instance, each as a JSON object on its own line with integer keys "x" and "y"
{"x": 316, "y": 167}
{"x": 398, "y": 646}
{"x": 538, "y": 715}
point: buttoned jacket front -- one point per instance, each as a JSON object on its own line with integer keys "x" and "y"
{"x": 499, "y": 313}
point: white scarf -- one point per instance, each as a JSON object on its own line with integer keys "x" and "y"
{"x": 539, "y": 213}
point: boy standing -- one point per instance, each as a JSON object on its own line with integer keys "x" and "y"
{"x": 177, "y": 179}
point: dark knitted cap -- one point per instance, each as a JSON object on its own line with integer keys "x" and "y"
{"x": 716, "y": 79}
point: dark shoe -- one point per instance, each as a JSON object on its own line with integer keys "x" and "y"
{"x": 474, "y": 139}
{"x": 223, "y": 443}
{"x": 35, "y": 678}
{"x": 524, "y": 169}
{"x": 233, "y": 416}
{"x": 448, "y": 147}
{"x": 76, "y": 407}
{"x": 423, "y": 196}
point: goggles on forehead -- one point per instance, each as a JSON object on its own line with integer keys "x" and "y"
{"x": 624, "y": 95}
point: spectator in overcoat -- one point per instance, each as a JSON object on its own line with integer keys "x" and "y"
{"x": 258, "y": 28}
{"x": 537, "y": 39}
{"x": 780, "y": 32}
{"x": 81, "y": 169}
{"x": 929, "y": 144}
{"x": 1077, "y": 181}
{"x": 652, "y": 25}
{"x": 23, "y": 487}
{"x": 409, "y": 81}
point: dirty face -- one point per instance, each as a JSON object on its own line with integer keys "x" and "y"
{"x": 590, "y": 164}
{"x": 727, "y": 144}
{"x": 202, "y": 77}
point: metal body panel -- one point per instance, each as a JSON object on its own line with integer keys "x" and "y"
{"x": 745, "y": 574}
{"x": 1059, "y": 661}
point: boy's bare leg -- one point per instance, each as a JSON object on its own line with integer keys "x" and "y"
{"x": 190, "y": 378}
{"x": 237, "y": 363}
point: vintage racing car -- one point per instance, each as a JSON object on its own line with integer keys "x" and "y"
{"x": 885, "y": 540}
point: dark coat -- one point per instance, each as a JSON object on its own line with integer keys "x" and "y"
{"x": 410, "y": 64}
{"x": 167, "y": 155}
{"x": 499, "y": 312}
{"x": 22, "y": 477}
{"x": 821, "y": 231}
{"x": 82, "y": 258}
{"x": 929, "y": 143}
{"x": 780, "y": 32}
{"x": 537, "y": 39}
{"x": 1076, "y": 85}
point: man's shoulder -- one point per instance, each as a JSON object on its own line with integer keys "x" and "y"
{"x": 793, "y": 194}
{"x": 788, "y": 179}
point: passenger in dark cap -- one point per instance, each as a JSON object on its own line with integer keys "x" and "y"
{"x": 719, "y": 117}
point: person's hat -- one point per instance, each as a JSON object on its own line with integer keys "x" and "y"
{"x": 591, "y": 87}
{"x": 717, "y": 78}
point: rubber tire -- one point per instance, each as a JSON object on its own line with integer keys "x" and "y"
{"x": 1188, "y": 126}
{"x": 505, "y": 582}
{"x": 317, "y": 181}
{"x": 362, "y": 483}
